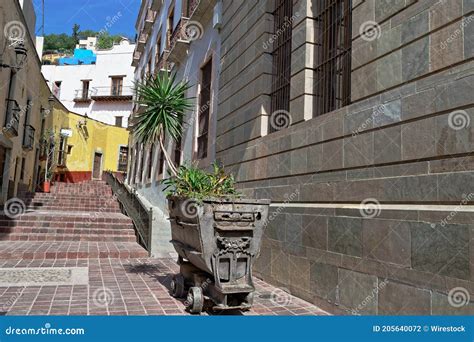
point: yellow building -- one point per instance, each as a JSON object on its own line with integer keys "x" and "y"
{"x": 52, "y": 57}
{"x": 85, "y": 147}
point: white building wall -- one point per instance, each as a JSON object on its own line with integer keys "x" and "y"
{"x": 113, "y": 62}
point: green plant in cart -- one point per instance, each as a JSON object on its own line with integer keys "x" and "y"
{"x": 195, "y": 183}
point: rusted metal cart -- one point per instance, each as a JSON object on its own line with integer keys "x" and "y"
{"x": 217, "y": 242}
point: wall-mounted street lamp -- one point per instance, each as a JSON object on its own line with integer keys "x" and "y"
{"x": 82, "y": 126}
{"x": 21, "y": 53}
{"x": 51, "y": 100}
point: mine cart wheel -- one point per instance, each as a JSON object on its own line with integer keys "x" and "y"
{"x": 195, "y": 300}
{"x": 249, "y": 299}
{"x": 178, "y": 289}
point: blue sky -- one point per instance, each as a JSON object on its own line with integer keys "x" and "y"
{"x": 61, "y": 15}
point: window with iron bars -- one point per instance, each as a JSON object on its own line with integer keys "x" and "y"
{"x": 280, "y": 97}
{"x": 333, "y": 51}
{"x": 150, "y": 161}
{"x": 123, "y": 159}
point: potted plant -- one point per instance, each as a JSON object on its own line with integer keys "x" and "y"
{"x": 215, "y": 231}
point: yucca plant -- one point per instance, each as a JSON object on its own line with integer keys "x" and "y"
{"x": 165, "y": 104}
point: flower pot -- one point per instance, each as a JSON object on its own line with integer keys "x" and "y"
{"x": 217, "y": 241}
{"x": 46, "y": 186}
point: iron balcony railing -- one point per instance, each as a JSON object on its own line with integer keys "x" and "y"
{"x": 196, "y": 9}
{"x": 82, "y": 96}
{"x": 136, "y": 58}
{"x": 142, "y": 39}
{"x": 149, "y": 20}
{"x": 29, "y": 137}
{"x": 12, "y": 118}
{"x": 163, "y": 63}
{"x": 116, "y": 92}
{"x": 179, "y": 33}
{"x": 156, "y": 4}
{"x": 141, "y": 216}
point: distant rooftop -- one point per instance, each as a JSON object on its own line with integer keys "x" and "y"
{"x": 81, "y": 56}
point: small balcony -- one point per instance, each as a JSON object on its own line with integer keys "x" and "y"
{"x": 29, "y": 137}
{"x": 163, "y": 63}
{"x": 136, "y": 58}
{"x": 142, "y": 40}
{"x": 197, "y": 9}
{"x": 82, "y": 96}
{"x": 179, "y": 42}
{"x": 114, "y": 93}
{"x": 156, "y": 5}
{"x": 12, "y": 118}
{"x": 149, "y": 20}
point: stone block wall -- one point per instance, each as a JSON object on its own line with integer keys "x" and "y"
{"x": 372, "y": 203}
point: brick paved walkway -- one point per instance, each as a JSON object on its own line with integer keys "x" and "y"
{"x": 72, "y": 252}
{"x": 125, "y": 287}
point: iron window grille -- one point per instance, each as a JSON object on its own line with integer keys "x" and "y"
{"x": 204, "y": 110}
{"x": 280, "y": 96}
{"x": 333, "y": 51}
{"x": 123, "y": 159}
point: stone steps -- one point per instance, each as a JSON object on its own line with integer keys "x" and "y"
{"x": 72, "y": 208}
{"x": 73, "y": 197}
{"x": 70, "y": 250}
{"x": 66, "y": 237}
{"x": 69, "y": 217}
{"x": 74, "y": 221}
{"x": 66, "y": 230}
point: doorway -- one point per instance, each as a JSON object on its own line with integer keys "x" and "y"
{"x": 96, "y": 171}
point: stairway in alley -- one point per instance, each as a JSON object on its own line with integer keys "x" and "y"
{"x": 74, "y": 221}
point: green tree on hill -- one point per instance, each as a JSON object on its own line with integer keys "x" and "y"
{"x": 65, "y": 43}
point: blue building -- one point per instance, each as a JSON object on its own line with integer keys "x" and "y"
{"x": 81, "y": 56}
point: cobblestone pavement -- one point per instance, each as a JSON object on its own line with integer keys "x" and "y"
{"x": 118, "y": 287}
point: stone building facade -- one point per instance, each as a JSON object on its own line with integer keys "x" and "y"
{"x": 372, "y": 200}
{"x": 24, "y": 100}
{"x": 356, "y": 119}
